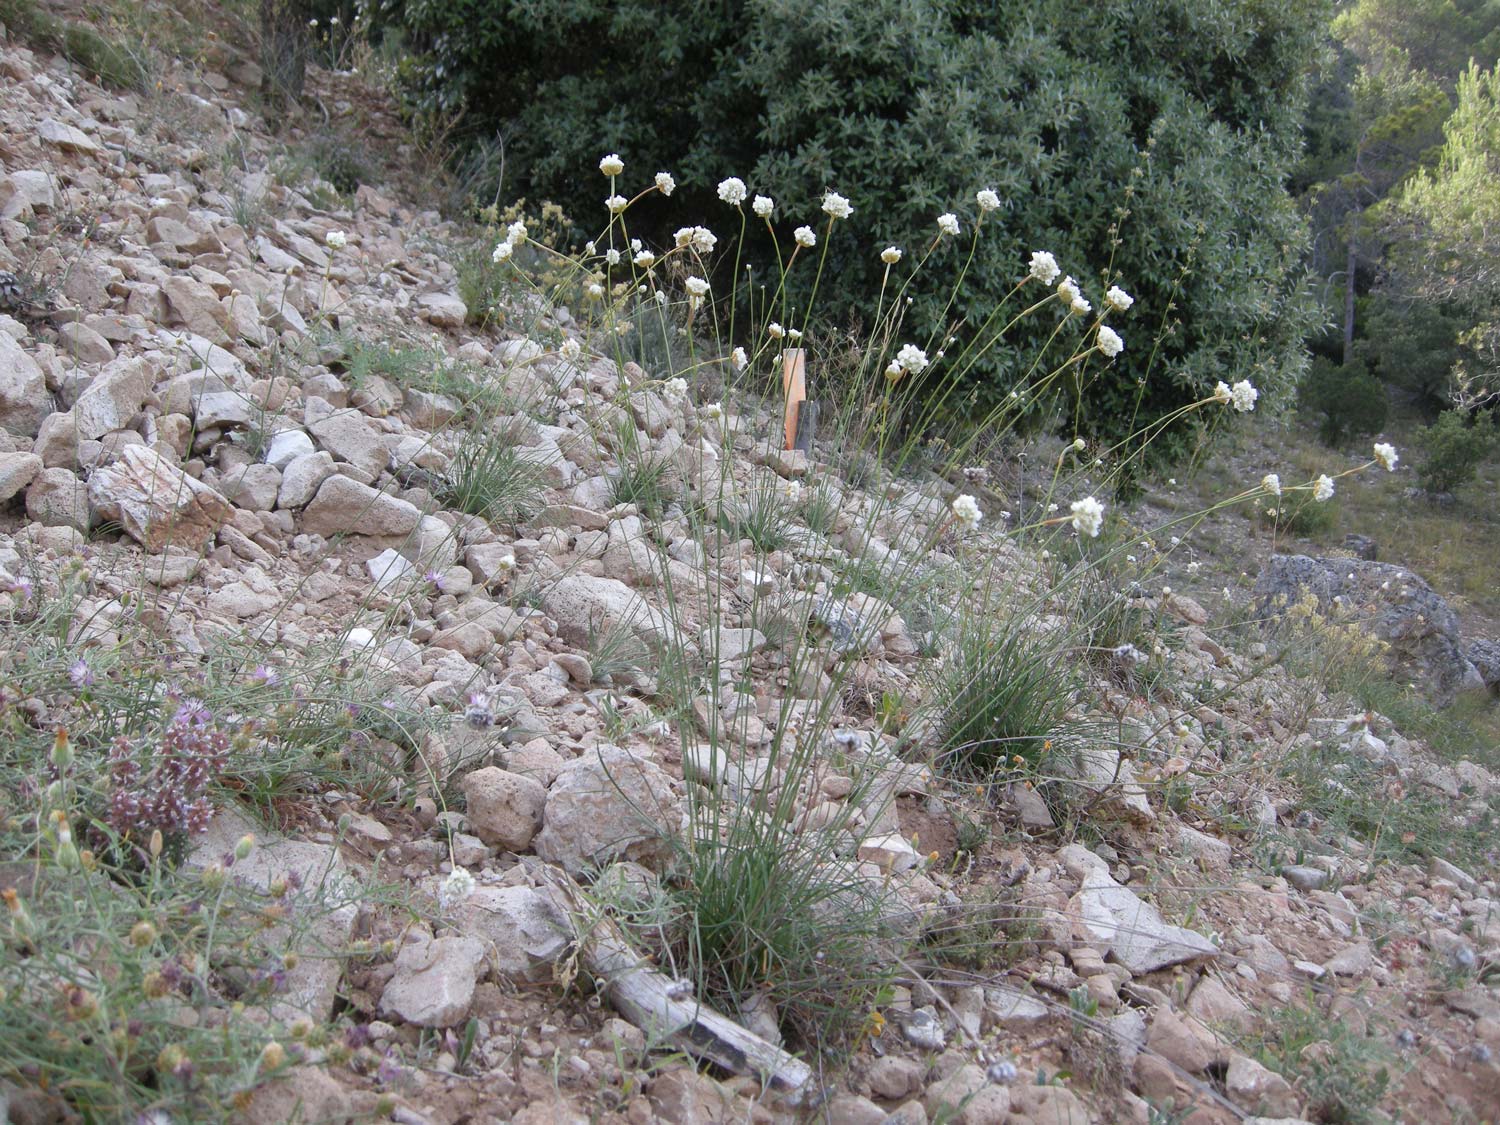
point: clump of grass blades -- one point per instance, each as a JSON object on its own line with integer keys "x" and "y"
{"x": 1000, "y": 695}
{"x": 644, "y": 482}
{"x": 104, "y": 58}
{"x": 489, "y": 477}
{"x": 1343, "y": 1078}
{"x": 762, "y": 518}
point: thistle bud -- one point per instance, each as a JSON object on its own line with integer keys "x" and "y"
{"x": 155, "y": 846}
{"x": 62, "y": 750}
{"x": 272, "y": 1056}
{"x": 213, "y": 876}
{"x": 142, "y": 934}
{"x": 244, "y": 846}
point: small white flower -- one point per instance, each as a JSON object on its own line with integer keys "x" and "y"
{"x": 595, "y": 290}
{"x": 571, "y": 349}
{"x": 1222, "y": 393}
{"x": 1079, "y": 445}
{"x": 1088, "y": 516}
{"x": 1387, "y": 456}
{"x": 590, "y": 248}
{"x": 763, "y": 205}
{"x": 794, "y": 334}
{"x": 515, "y": 234}
{"x": 805, "y": 236}
{"x": 616, "y": 204}
{"x": 612, "y": 256}
{"x": 696, "y": 286}
{"x": 661, "y": 296}
{"x": 1068, "y": 290}
{"x": 891, "y": 255}
{"x": 732, "y": 191}
{"x": 1043, "y": 267}
{"x": 775, "y": 331}
{"x": 665, "y": 183}
{"x": 675, "y": 388}
{"x": 458, "y": 886}
{"x": 1110, "y": 342}
{"x": 792, "y": 490}
{"x": 1271, "y": 483}
{"x": 635, "y": 245}
{"x": 1244, "y": 395}
{"x": 738, "y": 359}
{"x": 336, "y": 239}
{"x": 502, "y": 251}
{"x": 1079, "y": 305}
{"x": 714, "y": 411}
{"x": 948, "y": 223}
{"x": 1323, "y": 488}
{"x": 966, "y": 511}
{"x": 1118, "y": 299}
{"x": 704, "y": 240}
{"x": 644, "y": 258}
{"x": 987, "y": 200}
{"x": 1192, "y": 567}
{"x": 912, "y": 359}
{"x": 894, "y": 370}
{"x": 836, "y": 205}
{"x": 612, "y": 165}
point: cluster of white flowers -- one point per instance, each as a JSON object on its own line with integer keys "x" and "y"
{"x": 696, "y": 286}
{"x": 775, "y": 331}
{"x": 615, "y": 203}
{"x": 503, "y": 251}
{"x": 336, "y": 239}
{"x": 738, "y": 359}
{"x": 891, "y": 255}
{"x": 665, "y": 183}
{"x": 1044, "y": 267}
{"x": 732, "y": 191}
{"x": 1088, "y": 516}
{"x": 1110, "y": 342}
{"x": 458, "y": 886}
{"x": 792, "y": 490}
{"x": 644, "y": 258}
{"x": 1118, "y": 299}
{"x": 966, "y": 511}
{"x": 836, "y": 205}
{"x": 1241, "y": 396}
{"x": 1323, "y": 488}
{"x": 948, "y": 223}
{"x": 714, "y": 411}
{"x": 612, "y": 165}
{"x": 1387, "y": 456}
{"x": 515, "y": 234}
{"x": 1271, "y": 483}
{"x": 1068, "y": 290}
{"x": 911, "y": 359}
{"x": 675, "y": 389}
{"x": 595, "y": 290}
{"x": 987, "y": 200}
{"x": 571, "y": 349}
{"x": 763, "y": 206}
{"x": 700, "y": 239}
{"x": 805, "y": 237}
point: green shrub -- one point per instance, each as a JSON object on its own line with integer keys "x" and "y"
{"x": 1453, "y": 448}
{"x": 490, "y": 477}
{"x": 106, "y": 59}
{"x": 1413, "y": 347}
{"x": 1348, "y": 401}
{"x": 1156, "y": 132}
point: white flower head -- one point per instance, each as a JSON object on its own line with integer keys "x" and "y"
{"x": 675, "y": 388}
{"x": 704, "y": 240}
{"x": 616, "y": 204}
{"x": 1088, "y": 516}
{"x": 738, "y": 359}
{"x": 966, "y": 511}
{"x": 612, "y": 165}
{"x": 794, "y": 334}
{"x": 1043, "y": 267}
{"x": 612, "y": 256}
{"x": 891, "y": 255}
{"x": 696, "y": 286}
{"x": 714, "y": 411}
{"x": 775, "y": 331}
{"x": 458, "y": 886}
{"x": 644, "y": 258}
{"x": 595, "y": 290}
{"x": 590, "y": 248}
{"x": 1118, "y": 299}
{"x": 665, "y": 183}
{"x": 792, "y": 490}
{"x": 836, "y": 205}
{"x": 1222, "y": 393}
{"x": 763, "y": 205}
{"x": 1271, "y": 483}
{"x": 732, "y": 191}
{"x": 912, "y": 359}
{"x": 515, "y": 234}
{"x": 1079, "y": 445}
{"x": 987, "y": 200}
{"x": 1323, "y": 488}
{"x": 571, "y": 349}
{"x": 894, "y": 370}
{"x": 1067, "y": 289}
{"x": 948, "y": 223}
{"x": 1387, "y": 456}
{"x": 1110, "y": 342}
{"x": 805, "y": 236}
{"x": 336, "y": 239}
{"x": 1243, "y": 394}
{"x": 502, "y": 251}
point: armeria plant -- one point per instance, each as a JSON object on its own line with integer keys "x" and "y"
{"x": 776, "y": 908}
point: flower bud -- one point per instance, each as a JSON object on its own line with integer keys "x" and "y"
{"x": 272, "y": 1056}
{"x": 245, "y": 845}
{"x": 156, "y": 843}
{"x": 155, "y": 986}
{"x": 62, "y": 750}
{"x": 142, "y": 934}
{"x": 213, "y": 876}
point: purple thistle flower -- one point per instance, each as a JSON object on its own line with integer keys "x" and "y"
{"x": 435, "y": 580}
{"x": 265, "y": 674}
{"x": 81, "y": 674}
{"x": 478, "y": 714}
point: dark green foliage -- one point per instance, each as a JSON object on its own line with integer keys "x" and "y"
{"x": 907, "y": 107}
{"x": 1348, "y": 401}
{"x": 104, "y": 58}
{"x": 1413, "y": 347}
{"x": 490, "y": 477}
{"x": 1454, "y": 447}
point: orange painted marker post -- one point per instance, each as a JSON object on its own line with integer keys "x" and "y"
{"x": 794, "y": 388}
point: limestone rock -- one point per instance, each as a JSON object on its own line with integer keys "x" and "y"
{"x": 504, "y": 809}
{"x": 344, "y": 505}
{"x": 57, "y": 498}
{"x": 434, "y": 981}
{"x": 525, "y": 930}
{"x": 583, "y": 605}
{"x": 442, "y": 309}
{"x": 1110, "y": 917}
{"x": 23, "y": 390}
{"x": 609, "y": 804}
{"x": 1256, "y": 1089}
{"x": 17, "y": 470}
{"x": 155, "y": 502}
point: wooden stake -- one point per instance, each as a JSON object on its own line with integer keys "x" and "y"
{"x": 794, "y": 387}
